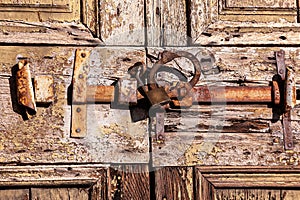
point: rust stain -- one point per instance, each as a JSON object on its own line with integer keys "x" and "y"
{"x": 24, "y": 86}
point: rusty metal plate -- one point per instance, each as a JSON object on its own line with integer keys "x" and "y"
{"x": 25, "y": 87}
{"x": 79, "y": 97}
{"x": 43, "y": 86}
{"x": 281, "y": 69}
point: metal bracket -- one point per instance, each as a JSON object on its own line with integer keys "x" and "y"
{"x": 288, "y": 87}
{"x": 289, "y": 104}
{"x": 79, "y": 96}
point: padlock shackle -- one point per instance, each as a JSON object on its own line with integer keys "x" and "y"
{"x": 168, "y": 56}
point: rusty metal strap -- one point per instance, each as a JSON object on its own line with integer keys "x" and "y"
{"x": 79, "y": 96}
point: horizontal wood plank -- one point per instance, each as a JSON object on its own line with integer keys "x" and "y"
{"x": 249, "y": 34}
{"x": 35, "y": 33}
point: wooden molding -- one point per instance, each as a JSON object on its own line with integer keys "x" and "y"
{"x": 210, "y": 179}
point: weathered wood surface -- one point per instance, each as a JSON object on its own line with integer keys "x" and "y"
{"x": 90, "y": 17}
{"x": 174, "y": 183}
{"x": 112, "y": 137}
{"x": 166, "y": 23}
{"x": 14, "y": 194}
{"x": 129, "y": 182}
{"x": 44, "y": 10}
{"x": 18, "y": 32}
{"x": 247, "y": 33}
{"x": 249, "y": 194}
{"x": 59, "y": 193}
{"x": 54, "y": 182}
{"x": 248, "y": 183}
{"x": 203, "y": 136}
{"x": 122, "y": 22}
{"x": 46, "y": 137}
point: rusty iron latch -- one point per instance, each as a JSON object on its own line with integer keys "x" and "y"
{"x": 281, "y": 92}
{"x": 32, "y": 91}
{"x": 288, "y": 86}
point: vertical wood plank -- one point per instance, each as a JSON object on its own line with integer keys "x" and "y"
{"x": 122, "y": 22}
{"x": 99, "y": 190}
{"x": 203, "y": 189}
{"x": 200, "y": 17}
{"x": 166, "y": 23}
{"x": 89, "y": 15}
{"x": 129, "y": 182}
{"x": 174, "y": 183}
{"x": 59, "y": 193}
{"x": 12, "y": 194}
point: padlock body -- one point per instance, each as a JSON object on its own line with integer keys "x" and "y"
{"x": 158, "y": 96}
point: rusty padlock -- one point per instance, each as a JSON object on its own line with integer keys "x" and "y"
{"x": 157, "y": 96}
{"x": 182, "y": 91}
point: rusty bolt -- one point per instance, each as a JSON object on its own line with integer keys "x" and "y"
{"x": 276, "y": 140}
{"x": 78, "y": 130}
{"x": 78, "y": 110}
{"x": 80, "y": 76}
{"x": 160, "y": 137}
{"x": 83, "y": 55}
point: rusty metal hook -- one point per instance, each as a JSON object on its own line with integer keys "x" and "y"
{"x": 168, "y": 56}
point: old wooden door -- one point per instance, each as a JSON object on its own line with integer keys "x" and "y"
{"x": 210, "y": 151}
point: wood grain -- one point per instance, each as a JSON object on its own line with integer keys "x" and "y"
{"x": 45, "y": 10}
{"x": 129, "y": 182}
{"x": 174, "y": 183}
{"x": 22, "y": 194}
{"x": 166, "y": 23}
{"x": 15, "y": 32}
{"x": 290, "y": 194}
{"x": 59, "y": 193}
{"x": 122, "y": 22}
{"x": 249, "y": 194}
{"x": 237, "y": 34}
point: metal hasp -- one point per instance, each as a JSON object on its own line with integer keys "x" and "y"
{"x": 30, "y": 95}
{"x": 288, "y": 86}
{"x": 281, "y": 92}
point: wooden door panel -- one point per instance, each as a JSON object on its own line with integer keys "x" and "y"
{"x": 56, "y": 182}
{"x": 244, "y": 183}
{"x": 31, "y": 11}
{"x": 212, "y": 22}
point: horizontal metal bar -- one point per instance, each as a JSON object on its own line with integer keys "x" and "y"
{"x": 201, "y": 94}
{"x": 239, "y": 94}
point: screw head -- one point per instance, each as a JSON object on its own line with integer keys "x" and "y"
{"x": 160, "y": 137}
{"x": 289, "y": 144}
{"x": 78, "y": 110}
{"x": 78, "y": 130}
{"x": 80, "y": 76}
{"x": 83, "y": 55}
{"x": 281, "y": 71}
